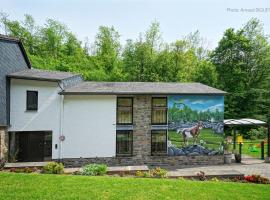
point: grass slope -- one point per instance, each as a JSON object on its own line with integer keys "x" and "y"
{"x": 212, "y": 140}
{"x": 36, "y": 186}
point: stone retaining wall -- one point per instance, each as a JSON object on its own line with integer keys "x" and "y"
{"x": 3, "y": 142}
{"x": 165, "y": 161}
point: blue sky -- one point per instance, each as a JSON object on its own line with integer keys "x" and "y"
{"x": 199, "y": 103}
{"x": 131, "y": 17}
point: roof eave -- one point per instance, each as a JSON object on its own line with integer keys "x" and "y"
{"x": 136, "y": 93}
{"x": 33, "y": 78}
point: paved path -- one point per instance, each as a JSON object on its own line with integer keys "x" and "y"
{"x": 247, "y": 167}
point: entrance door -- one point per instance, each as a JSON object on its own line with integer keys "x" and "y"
{"x": 33, "y": 146}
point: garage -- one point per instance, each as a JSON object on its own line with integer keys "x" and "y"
{"x": 30, "y": 146}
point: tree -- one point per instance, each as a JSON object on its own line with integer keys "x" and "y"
{"x": 242, "y": 63}
{"x": 107, "y": 48}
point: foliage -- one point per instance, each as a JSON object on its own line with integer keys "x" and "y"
{"x": 23, "y": 170}
{"x": 257, "y": 179}
{"x": 53, "y": 168}
{"x": 243, "y": 65}
{"x": 94, "y": 170}
{"x": 158, "y": 172}
{"x": 154, "y": 173}
{"x": 259, "y": 133}
{"x": 240, "y": 64}
{"x": 143, "y": 174}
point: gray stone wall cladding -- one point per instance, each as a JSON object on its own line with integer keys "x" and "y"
{"x": 162, "y": 161}
{"x": 142, "y": 126}
{"x": 142, "y": 145}
{"x": 3, "y": 142}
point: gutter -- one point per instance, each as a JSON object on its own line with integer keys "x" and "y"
{"x": 61, "y": 123}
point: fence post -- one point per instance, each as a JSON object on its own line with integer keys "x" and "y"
{"x": 240, "y": 151}
{"x": 262, "y": 150}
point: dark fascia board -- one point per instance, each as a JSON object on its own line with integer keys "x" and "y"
{"x": 35, "y": 79}
{"x": 135, "y": 93}
{"x": 16, "y": 40}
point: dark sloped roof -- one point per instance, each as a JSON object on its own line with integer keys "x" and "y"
{"x": 141, "y": 88}
{"x": 16, "y": 40}
{"x": 45, "y": 75}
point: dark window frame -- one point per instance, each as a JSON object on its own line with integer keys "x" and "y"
{"x": 152, "y": 110}
{"x": 117, "y": 123}
{"x": 127, "y": 132}
{"x": 166, "y": 143}
{"x": 28, "y": 107}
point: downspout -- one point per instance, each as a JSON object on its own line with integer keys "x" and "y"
{"x": 61, "y": 124}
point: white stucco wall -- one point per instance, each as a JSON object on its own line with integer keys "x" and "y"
{"x": 89, "y": 126}
{"x": 47, "y": 118}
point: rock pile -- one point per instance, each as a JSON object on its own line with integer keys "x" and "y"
{"x": 193, "y": 150}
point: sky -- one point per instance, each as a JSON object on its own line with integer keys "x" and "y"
{"x": 177, "y": 18}
{"x": 199, "y": 103}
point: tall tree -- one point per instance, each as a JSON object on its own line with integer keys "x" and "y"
{"x": 242, "y": 62}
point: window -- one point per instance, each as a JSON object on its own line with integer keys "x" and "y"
{"x": 124, "y": 143}
{"x": 31, "y": 100}
{"x": 159, "y": 110}
{"x": 159, "y": 142}
{"x": 124, "y": 110}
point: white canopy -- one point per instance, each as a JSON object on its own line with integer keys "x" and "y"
{"x": 244, "y": 121}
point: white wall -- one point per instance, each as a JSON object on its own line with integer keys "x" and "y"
{"x": 89, "y": 126}
{"x": 48, "y": 115}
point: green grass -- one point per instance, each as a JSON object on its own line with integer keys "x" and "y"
{"x": 248, "y": 144}
{"x": 212, "y": 140}
{"x": 36, "y": 186}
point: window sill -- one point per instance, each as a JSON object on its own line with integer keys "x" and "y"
{"x": 31, "y": 111}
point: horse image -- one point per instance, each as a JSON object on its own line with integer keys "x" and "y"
{"x": 191, "y": 132}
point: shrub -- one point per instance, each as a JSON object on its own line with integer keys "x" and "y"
{"x": 260, "y": 133}
{"x": 53, "y": 168}
{"x": 94, "y": 170}
{"x": 257, "y": 179}
{"x": 159, "y": 172}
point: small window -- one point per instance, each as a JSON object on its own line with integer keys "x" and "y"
{"x": 159, "y": 110}
{"x": 31, "y": 100}
{"x": 124, "y": 110}
{"x": 124, "y": 143}
{"x": 159, "y": 142}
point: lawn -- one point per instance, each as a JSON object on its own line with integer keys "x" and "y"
{"x": 212, "y": 140}
{"x": 250, "y": 144}
{"x": 37, "y": 186}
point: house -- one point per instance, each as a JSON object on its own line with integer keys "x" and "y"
{"x": 58, "y": 116}
{"x": 12, "y": 59}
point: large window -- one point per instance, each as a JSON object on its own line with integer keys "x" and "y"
{"x": 159, "y": 142}
{"x": 124, "y": 110}
{"x": 31, "y": 100}
{"x": 124, "y": 143}
{"x": 159, "y": 110}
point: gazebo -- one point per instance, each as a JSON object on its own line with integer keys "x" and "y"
{"x": 248, "y": 122}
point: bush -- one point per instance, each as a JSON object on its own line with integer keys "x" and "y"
{"x": 257, "y": 179}
{"x": 94, "y": 170}
{"x": 53, "y": 168}
{"x": 143, "y": 174}
{"x": 159, "y": 172}
{"x": 260, "y": 133}
{"x": 155, "y": 173}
